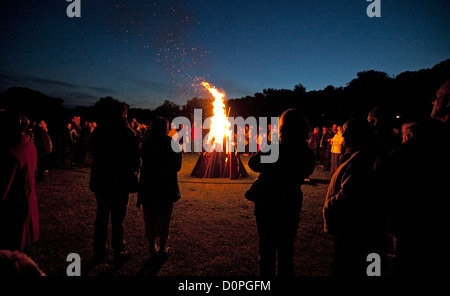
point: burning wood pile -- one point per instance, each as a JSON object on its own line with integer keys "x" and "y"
{"x": 221, "y": 161}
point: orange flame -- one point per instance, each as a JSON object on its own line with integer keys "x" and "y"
{"x": 220, "y": 126}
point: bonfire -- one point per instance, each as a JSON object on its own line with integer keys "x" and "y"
{"x": 221, "y": 161}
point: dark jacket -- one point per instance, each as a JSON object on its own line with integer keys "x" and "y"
{"x": 19, "y": 222}
{"x": 43, "y": 142}
{"x": 415, "y": 180}
{"x": 160, "y": 164}
{"x": 279, "y": 184}
{"x": 115, "y": 160}
{"x": 350, "y": 203}
{"x": 323, "y": 142}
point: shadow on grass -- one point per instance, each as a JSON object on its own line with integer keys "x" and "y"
{"x": 151, "y": 267}
{"x": 104, "y": 267}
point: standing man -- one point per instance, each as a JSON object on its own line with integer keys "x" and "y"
{"x": 115, "y": 165}
{"x": 415, "y": 181}
{"x": 352, "y": 213}
{"x": 44, "y": 147}
{"x": 325, "y": 148}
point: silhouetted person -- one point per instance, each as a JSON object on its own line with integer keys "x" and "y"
{"x": 278, "y": 196}
{"x": 325, "y": 148}
{"x": 68, "y": 145}
{"x": 385, "y": 140}
{"x": 411, "y": 131}
{"x": 352, "y": 213}
{"x": 441, "y": 108}
{"x": 44, "y": 147}
{"x": 416, "y": 177}
{"x": 313, "y": 141}
{"x": 77, "y": 156}
{"x": 158, "y": 188}
{"x": 19, "y": 221}
{"x": 336, "y": 149}
{"x": 115, "y": 164}
{"x": 85, "y": 135}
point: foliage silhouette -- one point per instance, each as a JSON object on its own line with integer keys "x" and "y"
{"x": 408, "y": 95}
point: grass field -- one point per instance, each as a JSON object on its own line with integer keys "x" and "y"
{"x": 213, "y": 230}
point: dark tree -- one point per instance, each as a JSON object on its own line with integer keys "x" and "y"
{"x": 168, "y": 110}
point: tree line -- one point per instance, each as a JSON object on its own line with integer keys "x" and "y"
{"x": 408, "y": 96}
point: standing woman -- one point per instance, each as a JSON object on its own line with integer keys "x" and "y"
{"x": 336, "y": 149}
{"x": 114, "y": 170}
{"x": 19, "y": 221}
{"x": 278, "y": 196}
{"x": 158, "y": 188}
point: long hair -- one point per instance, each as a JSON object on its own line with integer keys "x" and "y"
{"x": 294, "y": 127}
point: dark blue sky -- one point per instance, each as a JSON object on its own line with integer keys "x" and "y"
{"x": 145, "y": 52}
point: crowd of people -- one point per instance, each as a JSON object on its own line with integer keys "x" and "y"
{"x": 73, "y": 143}
{"x": 382, "y": 183}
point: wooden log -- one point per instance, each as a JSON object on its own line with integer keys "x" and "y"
{"x": 219, "y": 165}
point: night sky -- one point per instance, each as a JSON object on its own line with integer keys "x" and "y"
{"x": 145, "y": 52}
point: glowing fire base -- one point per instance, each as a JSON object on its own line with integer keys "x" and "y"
{"x": 219, "y": 165}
